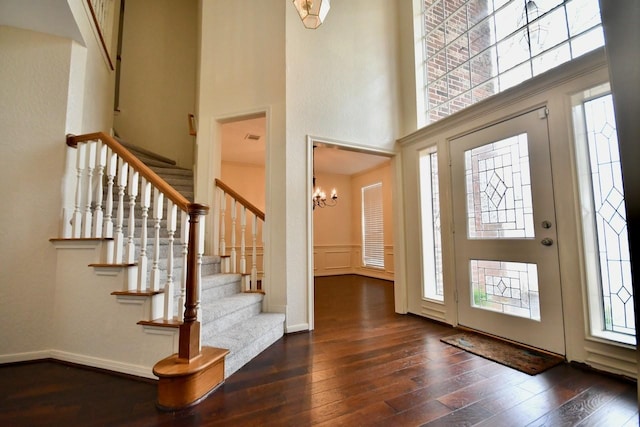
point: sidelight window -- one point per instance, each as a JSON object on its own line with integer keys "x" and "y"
{"x": 605, "y": 237}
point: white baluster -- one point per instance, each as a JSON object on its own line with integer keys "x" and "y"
{"x": 172, "y": 214}
{"x": 145, "y": 202}
{"x": 77, "y": 214}
{"x": 234, "y": 267}
{"x": 123, "y": 168}
{"x": 223, "y": 231}
{"x": 200, "y": 249}
{"x": 112, "y": 164}
{"x": 101, "y": 161}
{"x": 184, "y": 228}
{"x": 91, "y": 165}
{"x": 243, "y": 227}
{"x": 158, "y": 199}
{"x": 254, "y": 262}
{"x": 132, "y": 191}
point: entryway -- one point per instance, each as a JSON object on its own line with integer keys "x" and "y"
{"x": 506, "y": 257}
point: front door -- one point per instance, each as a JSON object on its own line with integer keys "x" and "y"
{"x": 507, "y": 271}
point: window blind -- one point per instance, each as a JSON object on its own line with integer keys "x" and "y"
{"x": 372, "y": 226}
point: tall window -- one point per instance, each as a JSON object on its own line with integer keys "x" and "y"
{"x": 606, "y": 241}
{"x": 432, "y": 285}
{"x": 372, "y": 226}
{"x": 476, "y": 48}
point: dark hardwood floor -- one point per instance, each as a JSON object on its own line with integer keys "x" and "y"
{"x": 362, "y": 366}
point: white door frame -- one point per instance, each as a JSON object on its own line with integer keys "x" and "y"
{"x": 311, "y": 140}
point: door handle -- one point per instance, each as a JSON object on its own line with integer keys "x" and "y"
{"x": 547, "y": 241}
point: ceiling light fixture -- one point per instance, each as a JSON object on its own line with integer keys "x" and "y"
{"x": 319, "y": 197}
{"x": 312, "y": 12}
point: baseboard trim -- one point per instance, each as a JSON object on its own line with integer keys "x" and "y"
{"x": 24, "y": 357}
{"x": 80, "y": 359}
{"x": 290, "y": 329}
{"x": 109, "y": 365}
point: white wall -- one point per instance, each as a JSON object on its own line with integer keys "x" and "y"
{"x": 342, "y": 84}
{"x": 339, "y": 82}
{"x": 242, "y": 71}
{"x": 158, "y": 77}
{"x": 34, "y": 70}
{"x": 49, "y": 86}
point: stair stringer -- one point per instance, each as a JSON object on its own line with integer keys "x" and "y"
{"x": 94, "y": 328}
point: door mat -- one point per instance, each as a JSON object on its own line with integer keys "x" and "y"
{"x": 524, "y": 359}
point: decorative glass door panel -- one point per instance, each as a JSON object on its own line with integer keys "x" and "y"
{"x": 506, "y": 287}
{"x": 498, "y": 190}
{"x": 507, "y": 273}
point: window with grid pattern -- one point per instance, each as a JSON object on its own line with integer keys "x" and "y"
{"x": 476, "y": 48}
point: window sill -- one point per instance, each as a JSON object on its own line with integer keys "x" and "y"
{"x": 615, "y": 339}
{"x": 371, "y": 267}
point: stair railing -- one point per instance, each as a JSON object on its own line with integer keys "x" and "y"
{"x": 103, "y": 161}
{"x": 235, "y": 262}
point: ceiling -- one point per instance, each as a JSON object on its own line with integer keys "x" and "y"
{"x": 49, "y": 17}
{"x": 238, "y": 147}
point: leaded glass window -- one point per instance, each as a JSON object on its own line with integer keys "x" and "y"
{"x": 432, "y": 283}
{"x": 506, "y": 287}
{"x": 605, "y": 236}
{"x": 498, "y": 187}
{"x": 610, "y": 217}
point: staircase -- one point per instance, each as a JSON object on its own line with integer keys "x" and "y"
{"x": 230, "y": 317}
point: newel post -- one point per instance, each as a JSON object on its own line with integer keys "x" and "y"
{"x": 189, "y": 342}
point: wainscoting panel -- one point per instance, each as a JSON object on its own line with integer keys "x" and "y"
{"x": 331, "y": 260}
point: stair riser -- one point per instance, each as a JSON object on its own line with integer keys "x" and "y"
{"x": 235, "y": 319}
{"x": 221, "y": 291}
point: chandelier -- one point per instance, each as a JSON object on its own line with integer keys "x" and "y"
{"x": 312, "y": 12}
{"x": 319, "y": 197}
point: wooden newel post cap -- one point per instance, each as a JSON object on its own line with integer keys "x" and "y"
{"x": 198, "y": 209}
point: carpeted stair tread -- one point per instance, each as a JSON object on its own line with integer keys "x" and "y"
{"x": 229, "y": 318}
{"x": 247, "y": 339}
{"x": 239, "y": 334}
{"x": 171, "y": 170}
{"x": 143, "y": 153}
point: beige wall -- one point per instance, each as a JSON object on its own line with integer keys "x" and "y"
{"x": 337, "y": 244}
{"x": 248, "y": 180}
{"x": 158, "y": 77}
{"x": 380, "y": 174}
{"x": 332, "y": 226}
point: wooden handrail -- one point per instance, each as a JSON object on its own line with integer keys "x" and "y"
{"x": 98, "y": 25}
{"x": 159, "y": 183}
{"x": 244, "y": 202}
{"x": 189, "y": 335}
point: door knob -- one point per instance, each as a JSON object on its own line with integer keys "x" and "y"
{"x": 547, "y": 241}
